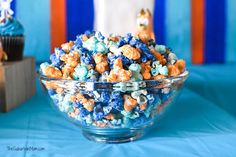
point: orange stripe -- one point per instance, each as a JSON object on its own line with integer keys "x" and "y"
{"x": 58, "y": 23}
{"x": 198, "y": 29}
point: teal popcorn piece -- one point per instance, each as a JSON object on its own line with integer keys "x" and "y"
{"x": 80, "y": 73}
{"x": 172, "y": 58}
{"x": 101, "y": 47}
{"x": 157, "y": 68}
{"x": 116, "y": 122}
{"x": 161, "y": 48}
{"x": 136, "y": 69}
{"x": 131, "y": 115}
{"x": 93, "y": 45}
{"x": 43, "y": 66}
{"x": 90, "y": 44}
{"x": 88, "y": 119}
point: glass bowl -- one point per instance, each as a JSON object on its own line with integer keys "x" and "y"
{"x": 112, "y": 112}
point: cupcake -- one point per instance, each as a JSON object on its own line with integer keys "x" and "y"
{"x": 11, "y": 33}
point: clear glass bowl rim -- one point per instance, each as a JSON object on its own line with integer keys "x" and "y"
{"x": 170, "y": 80}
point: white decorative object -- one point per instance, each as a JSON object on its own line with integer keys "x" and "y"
{"x": 5, "y": 9}
{"x": 119, "y": 16}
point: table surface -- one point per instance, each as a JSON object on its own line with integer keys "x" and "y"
{"x": 202, "y": 122}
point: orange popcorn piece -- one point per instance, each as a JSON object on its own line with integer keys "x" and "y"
{"x": 129, "y": 103}
{"x": 84, "y": 38}
{"x": 67, "y": 72}
{"x": 159, "y": 57}
{"x": 109, "y": 116}
{"x": 67, "y": 46}
{"x": 101, "y": 62}
{"x": 71, "y": 59}
{"x": 173, "y": 70}
{"x": 180, "y": 64}
{"x": 89, "y": 105}
{"x": 143, "y": 107}
{"x": 115, "y": 38}
{"x": 118, "y": 74}
{"x": 145, "y": 71}
{"x": 53, "y": 72}
{"x": 130, "y": 52}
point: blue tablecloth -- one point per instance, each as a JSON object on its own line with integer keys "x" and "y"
{"x": 201, "y": 123}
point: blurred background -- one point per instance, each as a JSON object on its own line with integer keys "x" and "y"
{"x": 200, "y": 31}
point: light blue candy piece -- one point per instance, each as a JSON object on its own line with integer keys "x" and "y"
{"x": 101, "y": 47}
{"x": 161, "y": 48}
{"x": 88, "y": 119}
{"x": 43, "y": 66}
{"x": 90, "y": 73}
{"x": 80, "y": 73}
{"x": 157, "y": 68}
{"x": 116, "y": 122}
{"x": 135, "y": 67}
{"x": 163, "y": 70}
{"x": 90, "y": 44}
{"x": 172, "y": 58}
{"x": 131, "y": 115}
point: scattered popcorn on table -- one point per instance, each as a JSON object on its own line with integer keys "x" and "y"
{"x": 123, "y": 62}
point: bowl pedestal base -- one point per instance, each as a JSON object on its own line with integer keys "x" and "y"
{"x": 113, "y": 137}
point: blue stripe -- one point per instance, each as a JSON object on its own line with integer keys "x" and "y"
{"x": 231, "y": 31}
{"x": 159, "y": 21}
{"x": 35, "y": 17}
{"x": 13, "y": 7}
{"x": 80, "y": 17}
{"x": 178, "y": 28}
{"x": 215, "y": 31}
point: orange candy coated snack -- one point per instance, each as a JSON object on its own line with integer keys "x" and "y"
{"x": 118, "y": 74}
{"x": 173, "y": 70}
{"x": 53, "y": 72}
{"x": 130, "y": 52}
{"x": 181, "y": 65}
{"x": 129, "y": 103}
{"x": 101, "y": 62}
{"x": 146, "y": 68}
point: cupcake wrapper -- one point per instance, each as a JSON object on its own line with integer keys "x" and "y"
{"x": 13, "y": 46}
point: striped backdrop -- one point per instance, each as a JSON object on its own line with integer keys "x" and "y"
{"x": 200, "y": 31}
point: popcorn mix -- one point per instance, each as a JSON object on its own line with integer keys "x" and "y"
{"x": 110, "y": 81}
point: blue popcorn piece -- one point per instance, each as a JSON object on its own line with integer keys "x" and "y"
{"x": 133, "y": 42}
{"x": 105, "y": 97}
{"x": 51, "y": 92}
{"x": 125, "y": 61}
{"x": 107, "y": 110}
{"x": 86, "y": 58}
{"x": 55, "y": 61}
{"x": 142, "y": 119}
{"x": 128, "y": 37}
{"x": 143, "y": 58}
{"x": 99, "y": 36}
{"x": 98, "y": 113}
{"x": 121, "y": 42}
{"x": 83, "y": 112}
{"x": 77, "y": 104}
